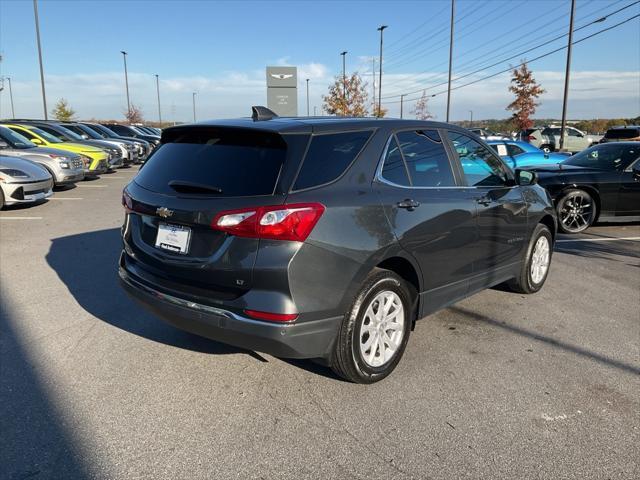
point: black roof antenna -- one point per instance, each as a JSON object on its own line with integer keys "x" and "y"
{"x": 259, "y": 113}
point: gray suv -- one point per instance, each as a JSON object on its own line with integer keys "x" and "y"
{"x": 327, "y": 238}
{"x": 66, "y": 168}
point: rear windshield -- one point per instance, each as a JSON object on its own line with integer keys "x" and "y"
{"x": 220, "y": 162}
{"x": 623, "y": 133}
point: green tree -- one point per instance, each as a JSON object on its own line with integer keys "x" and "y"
{"x": 63, "y": 111}
{"x": 527, "y": 91}
{"x": 347, "y": 98}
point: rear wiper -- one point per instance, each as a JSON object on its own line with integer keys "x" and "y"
{"x": 192, "y": 187}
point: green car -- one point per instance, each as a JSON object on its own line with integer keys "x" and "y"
{"x": 95, "y": 159}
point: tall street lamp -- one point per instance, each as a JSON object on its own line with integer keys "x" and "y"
{"x": 307, "y": 97}
{"x": 453, "y": 8}
{"x": 344, "y": 82}
{"x": 158, "y": 92}
{"x": 402, "y": 104}
{"x": 381, "y": 30}
{"x": 194, "y": 106}
{"x": 566, "y": 76}
{"x": 126, "y": 79}
{"x": 44, "y": 94}
{"x": 13, "y": 112}
{"x": 471, "y": 118}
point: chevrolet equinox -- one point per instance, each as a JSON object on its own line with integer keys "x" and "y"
{"x": 327, "y": 238}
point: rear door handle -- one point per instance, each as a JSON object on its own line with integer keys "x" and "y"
{"x": 409, "y": 204}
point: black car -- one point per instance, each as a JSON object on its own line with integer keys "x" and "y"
{"x": 128, "y": 131}
{"x": 327, "y": 238}
{"x": 629, "y": 133}
{"x": 599, "y": 183}
{"x": 143, "y": 148}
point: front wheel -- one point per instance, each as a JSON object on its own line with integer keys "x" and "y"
{"x": 375, "y": 330}
{"x": 535, "y": 266}
{"x": 547, "y": 148}
{"x": 576, "y": 211}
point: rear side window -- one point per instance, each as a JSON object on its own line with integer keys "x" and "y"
{"x": 426, "y": 158}
{"x": 394, "y": 169}
{"x": 224, "y": 162}
{"x": 328, "y": 157}
{"x": 514, "y": 149}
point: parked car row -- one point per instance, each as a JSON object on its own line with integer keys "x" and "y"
{"x": 64, "y": 153}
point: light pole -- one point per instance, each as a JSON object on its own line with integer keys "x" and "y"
{"x": 194, "y": 106}
{"x": 44, "y": 94}
{"x": 471, "y": 121}
{"x": 307, "y": 97}
{"x": 566, "y": 76}
{"x": 373, "y": 70}
{"x": 13, "y": 112}
{"x": 315, "y": 110}
{"x": 344, "y": 83}
{"x": 158, "y": 92}
{"x": 126, "y": 80}
{"x": 453, "y": 8}
{"x": 381, "y": 30}
{"x": 402, "y": 104}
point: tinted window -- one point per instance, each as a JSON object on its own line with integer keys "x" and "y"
{"x": 328, "y": 157}
{"x": 53, "y": 132}
{"x": 237, "y": 162}
{"x": 605, "y": 157}
{"x": 480, "y": 166}
{"x": 514, "y": 150}
{"x": 573, "y": 133}
{"x": 15, "y": 140}
{"x": 622, "y": 133}
{"x": 426, "y": 158}
{"x": 394, "y": 169}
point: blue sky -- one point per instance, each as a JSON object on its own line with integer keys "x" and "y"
{"x": 220, "y": 49}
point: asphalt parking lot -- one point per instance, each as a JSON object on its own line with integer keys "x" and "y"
{"x": 498, "y": 386}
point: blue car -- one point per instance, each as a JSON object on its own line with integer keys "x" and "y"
{"x": 522, "y": 154}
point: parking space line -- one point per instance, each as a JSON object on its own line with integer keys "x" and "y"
{"x": 111, "y": 178}
{"x": 90, "y": 186}
{"x": 20, "y": 218}
{"x": 609, "y": 239}
{"x": 65, "y": 198}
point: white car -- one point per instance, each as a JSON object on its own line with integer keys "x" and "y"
{"x": 22, "y": 181}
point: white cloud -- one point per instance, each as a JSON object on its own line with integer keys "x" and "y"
{"x": 102, "y": 95}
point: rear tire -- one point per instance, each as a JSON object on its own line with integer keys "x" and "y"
{"x": 375, "y": 330}
{"x": 537, "y": 261}
{"x": 576, "y": 210}
{"x": 547, "y": 148}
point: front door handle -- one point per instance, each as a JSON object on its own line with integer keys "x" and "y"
{"x": 409, "y": 204}
{"x": 485, "y": 201}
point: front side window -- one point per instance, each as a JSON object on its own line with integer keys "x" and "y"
{"x": 15, "y": 140}
{"x": 481, "y": 167}
{"x": 605, "y": 157}
{"x": 328, "y": 157}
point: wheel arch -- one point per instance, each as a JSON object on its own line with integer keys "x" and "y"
{"x": 410, "y": 272}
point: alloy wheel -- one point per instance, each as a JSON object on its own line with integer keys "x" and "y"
{"x": 576, "y": 212}
{"x": 540, "y": 259}
{"x": 383, "y": 328}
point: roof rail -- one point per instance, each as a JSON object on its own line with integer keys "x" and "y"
{"x": 259, "y": 113}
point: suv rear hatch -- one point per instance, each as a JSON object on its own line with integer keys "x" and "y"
{"x": 197, "y": 173}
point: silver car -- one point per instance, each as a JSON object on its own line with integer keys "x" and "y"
{"x": 22, "y": 181}
{"x": 66, "y": 168}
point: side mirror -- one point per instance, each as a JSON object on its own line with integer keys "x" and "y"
{"x": 526, "y": 177}
{"x": 37, "y": 141}
{"x": 636, "y": 173}
{"x": 3, "y": 144}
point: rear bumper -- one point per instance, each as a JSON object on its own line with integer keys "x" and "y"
{"x": 310, "y": 339}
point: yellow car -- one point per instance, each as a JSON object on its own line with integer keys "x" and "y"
{"x": 95, "y": 160}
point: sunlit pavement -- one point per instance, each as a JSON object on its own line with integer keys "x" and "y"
{"x": 498, "y": 386}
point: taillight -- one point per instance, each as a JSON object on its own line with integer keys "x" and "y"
{"x": 127, "y": 203}
{"x": 272, "y": 317}
{"x": 531, "y": 137}
{"x": 278, "y": 222}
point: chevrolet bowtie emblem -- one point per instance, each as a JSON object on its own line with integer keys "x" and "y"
{"x": 164, "y": 212}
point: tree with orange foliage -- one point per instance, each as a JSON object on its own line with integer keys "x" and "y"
{"x": 527, "y": 91}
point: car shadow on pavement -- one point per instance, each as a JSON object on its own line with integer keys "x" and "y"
{"x": 623, "y": 249}
{"x": 34, "y": 439}
{"x": 579, "y": 351}
{"x": 87, "y": 264}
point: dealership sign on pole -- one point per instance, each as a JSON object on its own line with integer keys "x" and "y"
{"x": 282, "y": 90}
